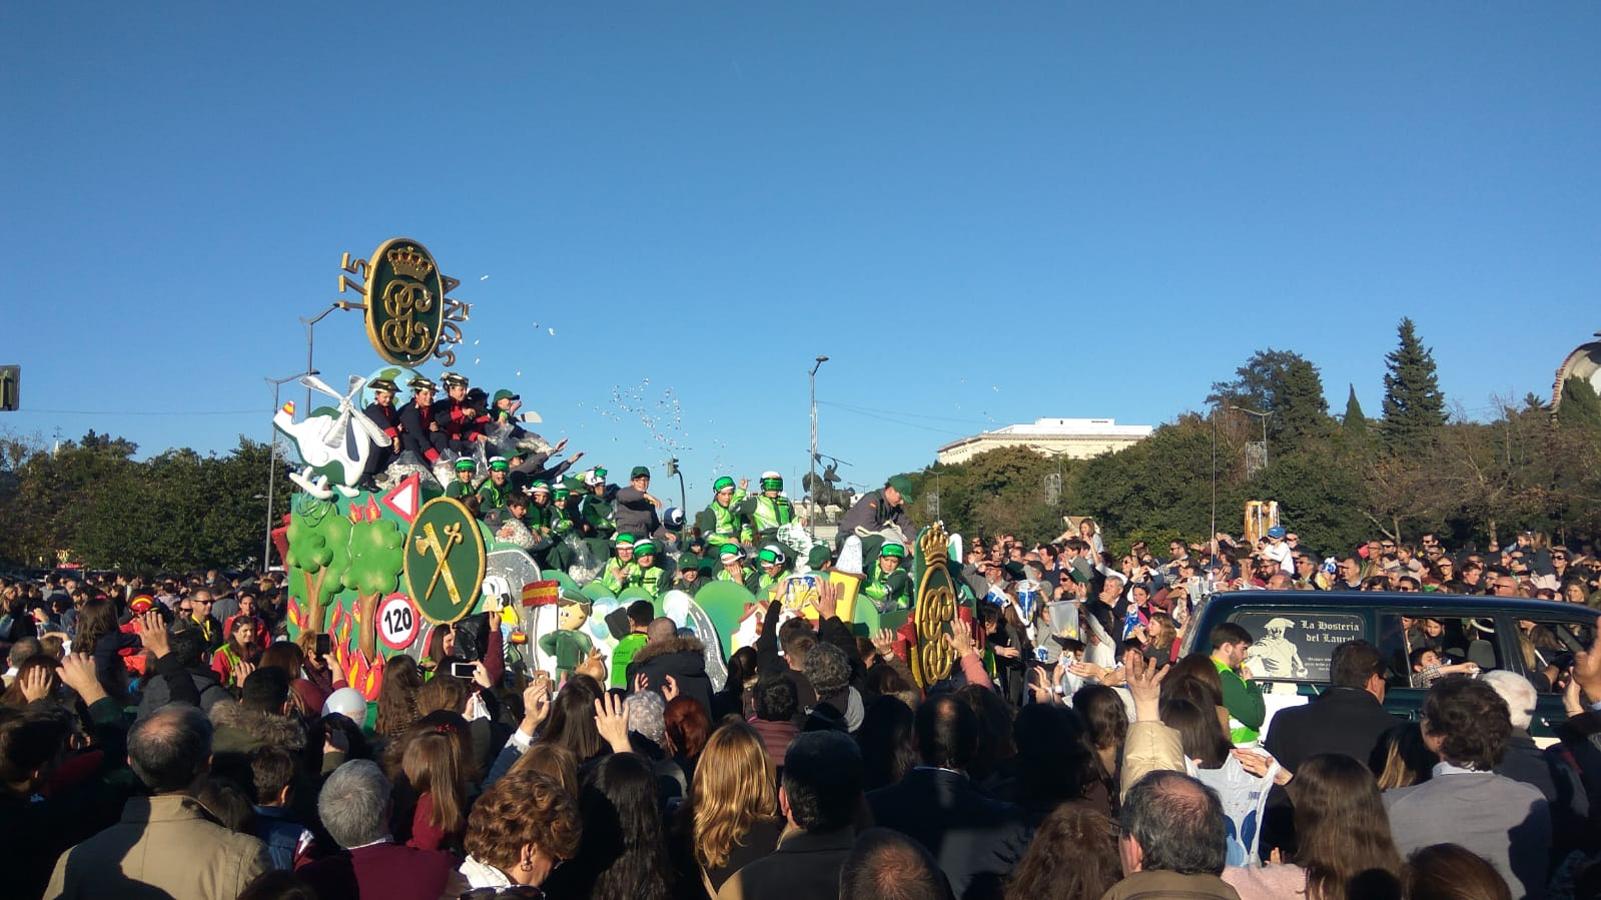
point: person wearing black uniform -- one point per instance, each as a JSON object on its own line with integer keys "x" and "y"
{"x": 383, "y": 413}
{"x": 418, "y": 433}
{"x": 458, "y": 419}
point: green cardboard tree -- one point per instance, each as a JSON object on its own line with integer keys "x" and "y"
{"x": 319, "y": 552}
{"x": 377, "y": 551}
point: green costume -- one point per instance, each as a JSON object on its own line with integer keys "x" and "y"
{"x": 889, "y": 592}
{"x": 460, "y": 490}
{"x": 766, "y": 514}
{"x": 622, "y": 655}
{"x": 569, "y": 648}
{"x": 597, "y": 515}
{"x": 1243, "y": 700}
{"x": 492, "y": 495}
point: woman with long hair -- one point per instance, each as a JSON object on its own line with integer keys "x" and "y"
{"x": 571, "y": 724}
{"x": 48, "y": 680}
{"x": 1054, "y": 764}
{"x": 1073, "y": 856}
{"x": 622, "y": 853}
{"x": 436, "y": 769}
{"x": 519, "y": 831}
{"x": 1106, "y": 727}
{"x": 551, "y": 761}
{"x": 247, "y": 610}
{"x": 1163, "y": 637}
{"x": 98, "y": 634}
{"x": 1343, "y": 843}
{"x": 731, "y": 818}
{"x": 1205, "y": 743}
{"x": 317, "y": 676}
{"x": 735, "y": 698}
{"x": 241, "y": 647}
{"x": 397, "y": 695}
{"x": 1452, "y": 872}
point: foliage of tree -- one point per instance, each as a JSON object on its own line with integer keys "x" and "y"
{"x": 1288, "y": 387}
{"x": 377, "y": 551}
{"x": 1354, "y": 423}
{"x": 319, "y": 554}
{"x": 1580, "y": 406}
{"x": 1414, "y": 407}
{"x": 90, "y": 502}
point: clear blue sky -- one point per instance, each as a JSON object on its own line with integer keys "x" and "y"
{"x": 984, "y": 213}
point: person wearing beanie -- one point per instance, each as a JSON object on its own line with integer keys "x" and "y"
{"x": 769, "y": 510}
{"x": 615, "y": 575}
{"x": 771, "y": 562}
{"x": 492, "y": 493}
{"x": 888, "y": 585}
{"x": 721, "y": 521}
{"x": 644, "y": 572}
{"x": 733, "y": 568}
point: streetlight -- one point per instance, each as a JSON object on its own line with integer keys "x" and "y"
{"x": 811, "y": 462}
{"x": 310, "y": 324}
{"x": 272, "y": 457}
{"x": 1263, "y": 416}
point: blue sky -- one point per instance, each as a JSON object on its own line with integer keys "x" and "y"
{"x": 983, "y": 213}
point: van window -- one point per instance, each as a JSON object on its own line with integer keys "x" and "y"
{"x": 1413, "y": 646}
{"x": 1547, "y": 650}
{"x": 1296, "y": 645}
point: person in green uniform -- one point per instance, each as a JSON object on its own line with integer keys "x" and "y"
{"x": 640, "y": 613}
{"x": 888, "y": 585}
{"x": 643, "y": 572}
{"x": 733, "y": 566}
{"x": 769, "y": 510}
{"x": 462, "y": 487}
{"x": 492, "y": 493}
{"x": 690, "y": 577}
{"x": 505, "y": 407}
{"x": 615, "y": 575}
{"x": 721, "y": 521}
{"x": 568, "y": 645}
{"x": 563, "y": 521}
{"x": 770, "y": 562}
{"x": 597, "y": 517}
{"x": 1242, "y": 697}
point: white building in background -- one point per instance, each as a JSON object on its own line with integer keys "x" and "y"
{"x": 1072, "y": 438}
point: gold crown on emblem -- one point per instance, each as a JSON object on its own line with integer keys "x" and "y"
{"x": 411, "y": 262}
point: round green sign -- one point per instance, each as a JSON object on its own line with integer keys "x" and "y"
{"x": 444, "y": 568}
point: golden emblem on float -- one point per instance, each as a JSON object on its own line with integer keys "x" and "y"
{"x": 408, "y": 316}
{"x": 935, "y": 609}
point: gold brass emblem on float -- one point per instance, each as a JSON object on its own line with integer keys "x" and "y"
{"x": 935, "y": 609}
{"x": 408, "y": 316}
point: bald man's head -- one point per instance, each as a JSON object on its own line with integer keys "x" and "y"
{"x": 888, "y": 865}
{"x": 659, "y": 630}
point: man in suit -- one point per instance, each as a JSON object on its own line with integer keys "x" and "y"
{"x": 977, "y": 840}
{"x": 819, "y": 796}
{"x": 1467, "y": 724}
{"x": 1347, "y": 718}
{"x": 354, "y": 807}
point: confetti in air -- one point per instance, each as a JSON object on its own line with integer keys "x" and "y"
{"x": 519, "y": 373}
{"x": 552, "y": 332}
{"x": 477, "y": 360}
{"x": 483, "y": 278}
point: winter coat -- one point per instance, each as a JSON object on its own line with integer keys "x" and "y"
{"x": 684, "y": 658}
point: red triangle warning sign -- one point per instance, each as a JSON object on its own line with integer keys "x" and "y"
{"x": 404, "y": 499}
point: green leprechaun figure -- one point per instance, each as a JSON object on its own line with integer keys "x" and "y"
{"x": 568, "y": 645}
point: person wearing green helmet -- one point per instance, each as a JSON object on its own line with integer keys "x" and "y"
{"x": 772, "y": 565}
{"x": 462, "y": 487}
{"x": 768, "y": 510}
{"x": 734, "y": 569}
{"x": 492, "y": 493}
{"x": 721, "y": 521}
{"x": 615, "y": 575}
{"x": 888, "y": 585}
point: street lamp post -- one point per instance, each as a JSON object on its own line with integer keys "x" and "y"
{"x": 811, "y": 461}
{"x": 311, "y": 325}
{"x": 1263, "y": 416}
{"x": 272, "y": 458}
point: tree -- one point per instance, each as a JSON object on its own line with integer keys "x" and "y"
{"x": 377, "y": 551}
{"x": 1580, "y": 406}
{"x": 319, "y": 552}
{"x": 1355, "y": 424}
{"x": 1414, "y": 408}
{"x": 1284, "y": 384}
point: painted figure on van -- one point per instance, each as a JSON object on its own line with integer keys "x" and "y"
{"x": 1274, "y": 655}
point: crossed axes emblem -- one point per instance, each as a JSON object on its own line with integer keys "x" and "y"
{"x": 430, "y": 543}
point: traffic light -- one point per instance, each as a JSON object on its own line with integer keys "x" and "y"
{"x": 10, "y": 388}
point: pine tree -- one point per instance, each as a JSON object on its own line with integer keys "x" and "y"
{"x": 1282, "y": 383}
{"x": 1355, "y": 423}
{"x": 1413, "y": 405}
{"x": 1580, "y": 406}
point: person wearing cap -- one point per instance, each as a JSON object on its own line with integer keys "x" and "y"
{"x": 418, "y": 431}
{"x": 1279, "y": 551}
{"x": 459, "y": 420}
{"x": 383, "y": 413}
{"x": 690, "y": 577}
{"x": 721, "y": 521}
{"x": 463, "y": 486}
{"x": 888, "y": 585}
{"x": 636, "y": 508}
{"x": 492, "y": 493}
{"x": 644, "y": 572}
{"x": 615, "y": 575}
{"x": 880, "y": 509}
{"x": 768, "y": 510}
{"x": 506, "y": 406}
{"x": 771, "y": 562}
{"x": 819, "y": 559}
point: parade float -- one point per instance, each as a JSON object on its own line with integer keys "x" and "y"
{"x": 378, "y": 561}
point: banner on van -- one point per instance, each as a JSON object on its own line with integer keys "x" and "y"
{"x": 1296, "y": 645}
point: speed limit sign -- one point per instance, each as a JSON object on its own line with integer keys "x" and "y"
{"x": 398, "y": 621}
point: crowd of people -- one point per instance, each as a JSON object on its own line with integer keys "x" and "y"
{"x": 167, "y": 738}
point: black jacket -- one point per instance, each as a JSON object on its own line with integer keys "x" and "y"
{"x": 684, "y": 658}
{"x": 805, "y": 866}
{"x": 1549, "y": 772}
{"x": 976, "y": 840}
{"x": 1340, "y": 720}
